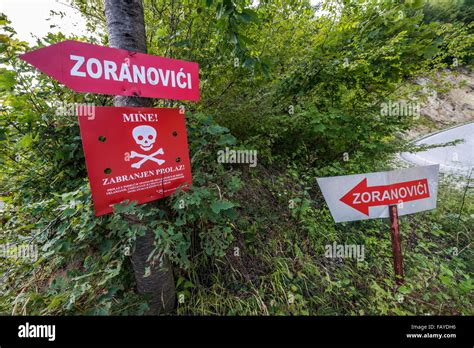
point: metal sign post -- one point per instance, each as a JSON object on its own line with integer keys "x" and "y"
{"x": 396, "y": 245}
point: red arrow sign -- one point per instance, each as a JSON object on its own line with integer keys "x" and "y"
{"x": 361, "y": 197}
{"x": 89, "y": 68}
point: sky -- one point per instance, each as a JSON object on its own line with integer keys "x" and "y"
{"x": 29, "y": 18}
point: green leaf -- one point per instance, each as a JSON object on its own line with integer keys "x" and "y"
{"x": 404, "y": 289}
{"x": 7, "y": 79}
{"x": 25, "y": 141}
{"x": 446, "y": 280}
{"x": 215, "y": 129}
{"x": 249, "y": 62}
{"x": 221, "y": 205}
{"x": 147, "y": 272}
{"x": 430, "y": 52}
{"x": 226, "y": 139}
{"x": 182, "y": 43}
{"x": 219, "y": 11}
{"x": 249, "y": 16}
{"x": 234, "y": 39}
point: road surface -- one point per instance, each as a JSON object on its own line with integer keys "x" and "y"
{"x": 458, "y": 159}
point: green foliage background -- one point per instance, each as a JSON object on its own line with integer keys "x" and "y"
{"x": 301, "y": 84}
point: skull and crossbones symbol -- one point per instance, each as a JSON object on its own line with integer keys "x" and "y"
{"x": 145, "y": 137}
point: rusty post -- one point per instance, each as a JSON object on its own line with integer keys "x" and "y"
{"x": 396, "y": 246}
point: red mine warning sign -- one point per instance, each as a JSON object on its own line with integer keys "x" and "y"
{"x": 134, "y": 154}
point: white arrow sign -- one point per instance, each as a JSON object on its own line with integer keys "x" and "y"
{"x": 368, "y": 196}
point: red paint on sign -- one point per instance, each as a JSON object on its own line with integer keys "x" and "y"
{"x": 361, "y": 197}
{"x": 85, "y": 67}
{"x": 134, "y": 154}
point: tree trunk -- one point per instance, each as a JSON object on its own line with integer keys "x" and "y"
{"x": 126, "y": 29}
